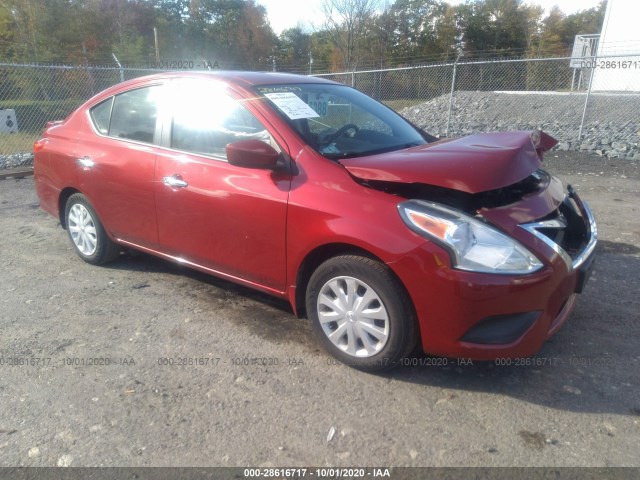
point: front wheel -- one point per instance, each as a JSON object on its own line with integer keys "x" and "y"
{"x": 361, "y": 313}
{"x": 87, "y": 234}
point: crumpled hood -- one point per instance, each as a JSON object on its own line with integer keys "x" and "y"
{"x": 473, "y": 164}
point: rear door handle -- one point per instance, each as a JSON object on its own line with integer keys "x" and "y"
{"x": 86, "y": 162}
{"x": 175, "y": 181}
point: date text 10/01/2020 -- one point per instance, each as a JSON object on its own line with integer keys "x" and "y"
{"x": 298, "y": 362}
{"x": 328, "y": 472}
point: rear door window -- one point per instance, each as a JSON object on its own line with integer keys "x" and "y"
{"x": 101, "y": 114}
{"x": 134, "y": 114}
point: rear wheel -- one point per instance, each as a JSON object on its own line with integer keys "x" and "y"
{"x": 87, "y": 234}
{"x": 361, "y": 313}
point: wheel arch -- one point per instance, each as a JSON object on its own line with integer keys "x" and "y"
{"x": 319, "y": 255}
{"x": 62, "y": 203}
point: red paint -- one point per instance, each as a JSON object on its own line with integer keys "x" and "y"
{"x": 481, "y": 162}
{"x": 258, "y": 225}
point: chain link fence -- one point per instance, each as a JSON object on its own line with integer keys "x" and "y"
{"x": 32, "y": 95}
{"x": 595, "y": 108}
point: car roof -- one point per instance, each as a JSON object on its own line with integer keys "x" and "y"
{"x": 240, "y": 78}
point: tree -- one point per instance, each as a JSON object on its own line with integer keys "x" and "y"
{"x": 356, "y": 33}
{"x": 558, "y": 31}
{"x": 294, "y": 50}
{"x": 584, "y": 22}
{"x": 447, "y": 32}
{"x": 533, "y": 14}
{"x": 347, "y": 23}
{"x": 322, "y": 50}
{"x": 236, "y": 32}
{"x": 24, "y": 17}
{"x": 382, "y": 40}
{"x": 414, "y": 28}
{"x": 551, "y": 39}
{"x": 496, "y": 26}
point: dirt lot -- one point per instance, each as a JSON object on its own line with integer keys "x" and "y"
{"x": 90, "y": 376}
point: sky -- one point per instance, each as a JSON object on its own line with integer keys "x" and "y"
{"x": 285, "y": 14}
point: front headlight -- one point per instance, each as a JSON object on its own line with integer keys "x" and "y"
{"x": 472, "y": 245}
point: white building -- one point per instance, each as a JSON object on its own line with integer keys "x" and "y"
{"x": 620, "y": 35}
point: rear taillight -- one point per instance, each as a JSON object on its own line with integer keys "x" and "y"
{"x": 39, "y": 145}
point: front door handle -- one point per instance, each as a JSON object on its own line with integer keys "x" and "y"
{"x": 175, "y": 181}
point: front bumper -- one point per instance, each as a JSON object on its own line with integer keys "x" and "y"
{"x": 489, "y": 316}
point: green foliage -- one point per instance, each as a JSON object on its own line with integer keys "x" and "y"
{"x": 295, "y": 47}
{"x": 348, "y": 25}
{"x": 236, "y": 33}
{"x": 30, "y": 113}
{"x": 20, "y": 142}
{"x": 496, "y": 26}
{"x": 559, "y": 30}
{"x": 415, "y": 26}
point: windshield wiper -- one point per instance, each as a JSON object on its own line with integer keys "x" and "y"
{"x": 407, "y": 145}
{"x": 352, "y": 154}
{"x": 342, "y": 155}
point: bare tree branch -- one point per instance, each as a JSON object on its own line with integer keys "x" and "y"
{"x": 346, "y": 25}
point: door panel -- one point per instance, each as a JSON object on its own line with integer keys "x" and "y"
{"x": 223, "y": 217}
{"x": 116, "y": 167}
{"x": 227, "y": 218}
{"x": 120, "y": 187}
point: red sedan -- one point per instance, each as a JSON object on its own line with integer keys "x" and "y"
{"x": 384, "y": 236}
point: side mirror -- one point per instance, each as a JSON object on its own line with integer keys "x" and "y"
{"x": 252, "y": 154}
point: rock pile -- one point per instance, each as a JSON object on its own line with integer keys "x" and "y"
{"x": 612, "y": 121}
{"x": 16, "y": 160}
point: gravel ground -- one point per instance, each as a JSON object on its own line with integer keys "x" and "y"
{"x": 579, "y": 406}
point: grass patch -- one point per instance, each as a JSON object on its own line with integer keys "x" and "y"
{"x": 20, "y": 142}
{"x": 33, "y": 115}
{"x": 45, "y": 104}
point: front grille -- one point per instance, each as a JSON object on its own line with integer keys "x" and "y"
{"x": 570, "y": 230}
{"x": 566, "y": 227}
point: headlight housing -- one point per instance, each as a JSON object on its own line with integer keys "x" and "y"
{"x": 472, "y": 245}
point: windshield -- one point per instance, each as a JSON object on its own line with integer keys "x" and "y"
{"x": 339, "y": 121}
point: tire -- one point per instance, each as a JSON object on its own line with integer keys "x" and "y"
{"x": 87, "y": 235}
{"x": 361, "y": 313}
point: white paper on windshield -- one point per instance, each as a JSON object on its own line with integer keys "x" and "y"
{"x": 292, "y": 105}
{"x": 319, "y": 102}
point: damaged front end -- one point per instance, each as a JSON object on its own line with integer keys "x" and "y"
{"x": 520, "y": 251}
{"x": 470, "y": 203}
{"x": 572, "y": 233}
{"x": 501, "y": 190}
